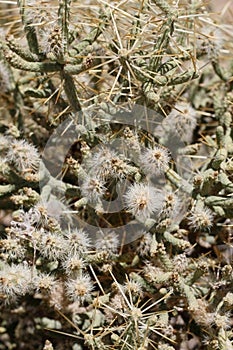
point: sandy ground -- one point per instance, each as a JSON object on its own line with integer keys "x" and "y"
{"x": 224, "y": 8}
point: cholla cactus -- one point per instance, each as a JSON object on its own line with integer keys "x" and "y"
{"x": 115, "y": 175}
